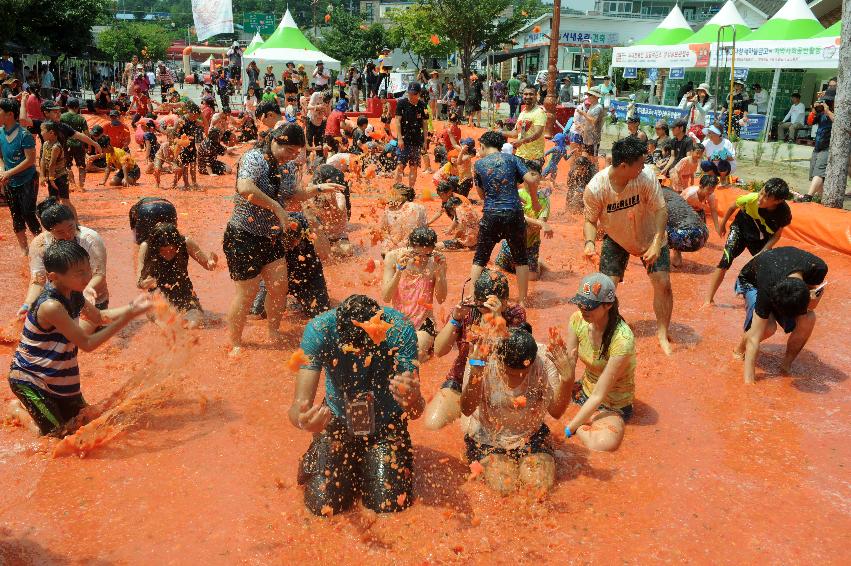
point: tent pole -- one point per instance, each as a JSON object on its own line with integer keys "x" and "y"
{"x": 771, "y": 101}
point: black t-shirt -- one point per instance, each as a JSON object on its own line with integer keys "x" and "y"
{"x": 269, "y": 80}
{"x": 64, "y": 132}
{"x": 770, "y": 267}
{"x": 680, "y": 148}
{"x": 411, "y": 117}
{"x": 681, "y": 216}
{"x": 772, "y": 220}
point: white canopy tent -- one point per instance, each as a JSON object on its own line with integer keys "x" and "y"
{"x": 288, "y": 44}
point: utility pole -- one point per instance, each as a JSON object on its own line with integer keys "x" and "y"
{"x": 552, "y": 68}
{"x": 836, "y": 177}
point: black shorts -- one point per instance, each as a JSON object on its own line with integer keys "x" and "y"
{"x": 21, "y": 201}
{"x": 474, "y": 106}
{"x": 536, "y": 165}
{"x": 613, "y": 259}
{"x": 509, "y": 225}
{"x": 338, "y": 469}
{"x": 625, "y": 412}
{"x": 409, "y": 155}
{"x": 182, "y": 300}
{"x": 306, "y": 279}
{"x": 77, "y": 155}
{"x": 247, "y": 254}
{"x": 49, "y": 412}
{"x": 428, "y": 327}
{"x": 133, "y": 174}
{"x": 61, "y": 190}
{"x": 314, "y": 133}
{"x": 738, "y": 240}
{"x": 464, "y": 187}
{"x": 538, "y": 444}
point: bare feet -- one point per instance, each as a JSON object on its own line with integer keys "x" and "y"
{"x": 276, "y": 338}
{"x": 676, "y": 258}
{"x": 738, "y": 355}
{"x": 665, "y": 344}
{"x": 786, "y": 367}
{"x": 707, "y": 304}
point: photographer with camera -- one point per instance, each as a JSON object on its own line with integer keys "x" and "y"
{"x": 821, "y": 116}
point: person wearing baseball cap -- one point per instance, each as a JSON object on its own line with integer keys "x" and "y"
{"x": 589, "y": 120}
{"x": 411, "y": 125}
{"x": 321, "y": 77}
{"x": 598, "y": 336}
{"x": 632, "y": 124}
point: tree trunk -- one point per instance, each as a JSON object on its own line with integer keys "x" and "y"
{"x": 552, "y": 68}
{"x": 836, "y": 177}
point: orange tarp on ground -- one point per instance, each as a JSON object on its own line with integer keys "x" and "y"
{"x": 828, "y": 228}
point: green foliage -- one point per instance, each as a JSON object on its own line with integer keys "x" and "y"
{"x": 412, "y": 31}
{"x": 124, "y": 40}
{"x": 602, "y": 62}
{"x": 349, "y": 39}
{"x": 478, "y": 26}
{"x": 62, "y": 26}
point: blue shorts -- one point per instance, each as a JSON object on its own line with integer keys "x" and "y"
{"x": 687, "y": 239}
{"x": 409, "y": 155}
{"x": 748, "y": 291}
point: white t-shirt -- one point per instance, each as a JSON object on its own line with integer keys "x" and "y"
{"x": 498, "y": 420}
{"x": 89, "y": 240}
{"x": 339, "y": 161}
{"x": 316, "y": 116}
{"x": 726, "y": 144}
{"x": 627, "y": 217}
{"x": 690, "y": 196}
{"x": 321, "y": 78}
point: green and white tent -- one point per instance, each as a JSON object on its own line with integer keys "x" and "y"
{"x": 673, "y": 30}
{"x": 287, "y": 44}
{"x": 256, "y": 42}
{"x": 833, "y": 31}
{"x": 728, "y": 15}
{"x": 794, "y": 20}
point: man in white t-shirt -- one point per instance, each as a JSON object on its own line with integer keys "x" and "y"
{"x": 321, "y": 77}
{"x": 626, "y": 200}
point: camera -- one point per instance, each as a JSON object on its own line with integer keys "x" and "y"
{"x": 819, "y": 106}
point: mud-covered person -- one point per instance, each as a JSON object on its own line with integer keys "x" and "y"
{"x": 361, "y": 448}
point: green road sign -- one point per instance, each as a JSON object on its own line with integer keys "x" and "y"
{"x": 259, "y": 21}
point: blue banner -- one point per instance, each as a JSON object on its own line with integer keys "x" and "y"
{"x": 653, "y": 74}
{"x": 752, "y": 130}
{"x": 677, "y": 73}
{"x": 630, "y": 72}
{"x": 648, "y": 113}
{"x": 740, "y": 74}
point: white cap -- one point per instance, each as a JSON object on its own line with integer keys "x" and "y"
{"x": 507, "y": 148}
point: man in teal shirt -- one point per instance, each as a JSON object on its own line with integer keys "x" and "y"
{"x": 513, "y": 96}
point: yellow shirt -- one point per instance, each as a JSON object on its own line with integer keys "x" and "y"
{"x": 622, "y": 392}
{"x": 118, "y": 158}
{"x": 525, "y": 123}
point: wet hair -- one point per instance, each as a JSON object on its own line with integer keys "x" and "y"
{"x": 490, "y": 283}
{"x": 628, "y": 151}
{"x": 406, "y": 191}
{"x": 709, "y": 180}
{"x": 362, "y": 121}
{"x": 534, "y": 165}
{"x": 61, "y": 255}
{"x": 723, "y": 166}
{"x": 699, "y": 146}
{"x": 10, "y": 105}
{"x": 709, "y": 167}
{"x": 328, "y": 174}
{"x": 777, "y": 188}
{"x": 614, "y": 319}
{"x": 288, "y": 134}
{"x": 50, "y": 126}
{"x": 444, "y": 187}
{"x": 519, "y": 350}
{"x": 214, "y": 135}
{"x": 96, "y": 131}
{"x": 190, "y": 107}
{"x": 104, "y": 141}
{"x": 422, "y": 236}
{"x": 492, "y": 139}
{"x": 332, "y": 144}
{"x": 440, "y": 154}
{"x": 789, "y": 297}
{"x": 164, "y": 234}
{"x": 51, "y": 212}
{"x": 358, "y": 308}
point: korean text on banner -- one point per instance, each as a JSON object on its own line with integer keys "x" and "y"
{"x": 212, "y": 17}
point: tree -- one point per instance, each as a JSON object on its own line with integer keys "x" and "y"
{"x": 348, "y": 38}
{"x": 836, "y": 176}
{"x": 477, "y": 26}
{"x": 413, "y": 31}
{"x": 62, "y": 26}
{"x": 124, "y": 40}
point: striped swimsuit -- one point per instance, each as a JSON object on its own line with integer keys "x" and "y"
{"x": 47, "y": 359}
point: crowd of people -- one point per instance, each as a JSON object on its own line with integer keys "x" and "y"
{"x": 301, "y": 158}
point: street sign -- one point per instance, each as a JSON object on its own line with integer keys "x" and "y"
{"x": 630, "y": 72}
{"x": 677, "y": 73}
{"x": 740, "y": 74}
{"x": 259, "y": 22}
{"x": 653, "y": 74}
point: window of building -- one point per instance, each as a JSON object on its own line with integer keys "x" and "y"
{"x": 618, "y": 7}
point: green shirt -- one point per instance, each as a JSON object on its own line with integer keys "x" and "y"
{"x": 533, "y": 233}
{"x": 76, "y": 121}
{"x": 513, "y": 86}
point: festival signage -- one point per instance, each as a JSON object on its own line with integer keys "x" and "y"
{"x": 212, "y": 17}
{"x": 677, "y": 73}
{"x": 651, "y": 113}
{"x": 817, "y": 53}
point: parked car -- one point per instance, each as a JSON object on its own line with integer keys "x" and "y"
{"x": 578, "y": 80}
